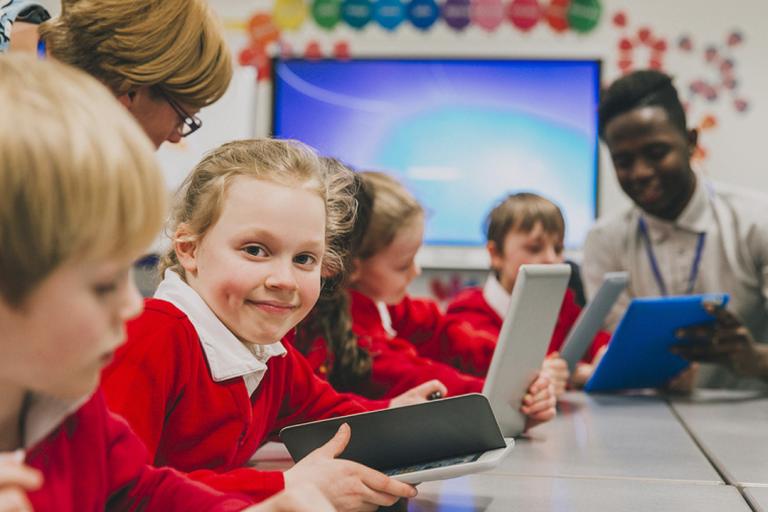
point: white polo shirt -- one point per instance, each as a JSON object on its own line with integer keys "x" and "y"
{"x": 227, "y": 356}
{"x": 734, "y": 258}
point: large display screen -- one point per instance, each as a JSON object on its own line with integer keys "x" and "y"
{"x": 460, "y": 134}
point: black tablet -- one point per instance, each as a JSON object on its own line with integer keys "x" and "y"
{"x": 434, "y": 440}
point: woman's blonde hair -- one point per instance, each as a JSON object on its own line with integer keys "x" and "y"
{"x": 521, "y": 212}
{"x": 393, "y": 208}
{"x": 78, "y": 177}
{"x": 176, "y": 46}
{"x": 285, "y": 162}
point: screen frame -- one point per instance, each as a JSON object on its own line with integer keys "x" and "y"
{"x": 457, "y": 256}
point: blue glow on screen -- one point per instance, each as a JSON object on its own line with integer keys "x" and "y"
{"x": 459, "y": 134}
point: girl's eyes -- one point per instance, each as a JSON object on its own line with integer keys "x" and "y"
{"x": 256, "y": 250}
{"x": 305, "y": 259}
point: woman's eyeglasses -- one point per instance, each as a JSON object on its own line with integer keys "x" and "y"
{"x": 189, "y": 124}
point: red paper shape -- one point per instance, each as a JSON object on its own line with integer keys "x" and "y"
{"x": 620, "y": 19}
{"x": 341, "y": 50}
{"x": 556, "y": 14}
{"x": 313, "y": 51}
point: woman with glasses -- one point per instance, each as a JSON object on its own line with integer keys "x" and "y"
{"x": 163, "y": 59}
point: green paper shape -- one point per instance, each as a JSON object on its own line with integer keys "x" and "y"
{"x": 326, "y": 13}
{"x": 584, "y": 15}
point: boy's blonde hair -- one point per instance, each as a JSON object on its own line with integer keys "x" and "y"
{"x": 78, "y": 178}
{"x": 521, "y": 212}
{"x": 393, "y": 208}
{"x": 285, "y": 162}
{"x": 176, "y": 46}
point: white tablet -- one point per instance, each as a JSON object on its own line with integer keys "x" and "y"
{"x": 592, "y": 317}
{"x": 453, "y": 467}
{"x": 523, "y": 341}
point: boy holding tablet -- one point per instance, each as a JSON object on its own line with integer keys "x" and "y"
{"x": 524, "y": 228}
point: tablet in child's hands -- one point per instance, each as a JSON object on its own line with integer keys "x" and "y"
{"x": 443, "y": 438}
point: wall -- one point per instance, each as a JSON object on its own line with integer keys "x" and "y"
{"x": 732, "y": 144}
{"x": 731, "y": 140}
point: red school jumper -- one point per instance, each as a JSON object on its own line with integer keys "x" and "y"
{"x": 161, "y": 383}
{"x": 93, "y": 461}
{"x": 471, "y": 327}
{"x": 396, "y": 363}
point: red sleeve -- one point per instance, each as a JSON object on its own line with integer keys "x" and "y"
{"x": 467, "y": 346}
{"x": 309, "y": 398}
{"x": 141, "y": 383}
{"x": 417, "y": 320}
{"x": 368, "y": 403}
{"x": 601, "y": 339}
{"x": 569, "y": 313}
{"x": 397, "y": 368}
{"x": 317, "y": 357}
{"x": 134, "y": 485}
{"x": 255, "y": 484}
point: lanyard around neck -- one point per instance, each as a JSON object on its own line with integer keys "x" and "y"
{"x": 655, "y": 265}
{"x": 42, "y": 50}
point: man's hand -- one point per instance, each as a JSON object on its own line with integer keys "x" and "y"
{"x": 726, "y": 342}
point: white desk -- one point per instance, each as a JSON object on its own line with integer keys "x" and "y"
{"x": 497, "y": 493}
{"x": 732, "y": 428}
{"x": 758, "y": 497}
{"x": 606, "y": 436}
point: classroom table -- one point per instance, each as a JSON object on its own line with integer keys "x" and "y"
{"x": 758, "y": 498}
{"x": 500, "y": 493}
{"x": 642, "y": 451}
{"x": 611, "y": 436}
{"x": 732, "y": 430}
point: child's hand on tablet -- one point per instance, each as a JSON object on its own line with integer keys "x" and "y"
{"x": 539, "y": 403}
{"x": 420, "y": 393}
{"x": 348, "y": 485}
{"x": 556, "y": 369}
{"x": 16, "y": 479}
{"x": 584, "y": 371}
{"x": 304, "y": 498}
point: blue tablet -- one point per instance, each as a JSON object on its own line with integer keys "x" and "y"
{"x": 638, "y": 355}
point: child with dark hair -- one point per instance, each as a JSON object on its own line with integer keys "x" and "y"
{"x": 524, "y": 228}
{"x": 683, "y": 234}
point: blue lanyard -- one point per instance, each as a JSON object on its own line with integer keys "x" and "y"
{"x": 41, "y": 49}
{"x": 655, "y": 264}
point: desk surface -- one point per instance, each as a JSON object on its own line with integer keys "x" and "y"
{"x": 731, "y": 427}
{"x": 498, "y": 493}
{"x": 758, "y": 496}
{"x": 606, "y": 436}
